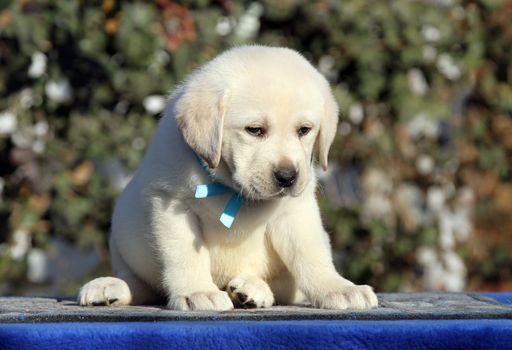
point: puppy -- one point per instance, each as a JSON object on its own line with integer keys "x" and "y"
{"x": 243, "y": 129}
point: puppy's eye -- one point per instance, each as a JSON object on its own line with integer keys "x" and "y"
{"x": 303, "y": 131}
{"x": 255, "y": 130}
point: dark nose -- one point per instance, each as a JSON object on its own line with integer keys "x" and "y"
{"x": 285, "y": 177}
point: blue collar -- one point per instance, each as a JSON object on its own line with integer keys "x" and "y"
{"x": 216, "y": 188}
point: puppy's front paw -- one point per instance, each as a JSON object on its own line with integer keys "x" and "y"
{"x": 349, "y": 297}
{"x": 250, "y": 292}
{"x": 208, "y": 301}
{"x": 104, "y": 291}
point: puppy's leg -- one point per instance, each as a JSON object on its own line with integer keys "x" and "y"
{"x": 142, "y": 293}
{"x": 285, "y": 290}
{"x": 185, "y": 259}
{"x": 250, "y": 292}
{"x": 125, "y": 289}
{"x": 303, "y": 245}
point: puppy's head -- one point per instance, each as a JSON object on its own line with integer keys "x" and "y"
{"x": 255, "y": 115}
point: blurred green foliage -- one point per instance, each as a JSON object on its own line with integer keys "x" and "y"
{"x": 419, "y": 191}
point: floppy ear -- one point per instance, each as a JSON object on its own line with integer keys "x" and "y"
{"x": 328, "y": 128}
{"x": 199, "y": 109}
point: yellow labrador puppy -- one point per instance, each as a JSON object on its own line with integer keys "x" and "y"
{"x": 222, "y": 210}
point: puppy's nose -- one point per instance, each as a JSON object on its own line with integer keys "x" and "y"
{"x": 285, "y": 177}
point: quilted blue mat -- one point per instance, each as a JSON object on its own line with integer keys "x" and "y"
{"x": 418, "y": 334}
{"x": 480, "y": 333}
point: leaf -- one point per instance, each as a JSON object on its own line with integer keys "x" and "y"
{"x": 81, "y": 174}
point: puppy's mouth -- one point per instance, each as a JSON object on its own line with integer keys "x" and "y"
{"x": 263, "y": 190}
{"x": 253, "y": 193}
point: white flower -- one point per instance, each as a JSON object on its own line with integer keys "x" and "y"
{"x": 326, "y": 66}
{"x": 59, "y": 91}
{"x": 454, "y": 224}
{"x": 247, "y": 27}
{"x": 430, "y": 33}
{"x": 38, "y": 65}
{"x": 356, "y": 113}
{"x": 138, "y": 143}
{"x": 22, "y": 243}
{"x": 40, "y": 128}
{"x": 417, "y": 82}
{"x": 429, "y": 53}
{"x": 22, "y": 138}
{"x": 38, "y": 146}
{"x": 31, "y": 137}
{"x": 224, "y": 26}
{"x": 462, "y": 225}
{"x": 433, "y": 271}
{"x": 446, "y": 234}
{"x": 455, "y": 278}
{"x": 122, "y": 107}
{"x": 344, "y": 128}
{"x": 378, "y": 207}
{"x": 249, "y": 23}
{"x": 154, "y": 103}
{"x": 377, "y": 181}
{"x": 435, "y": 199}
{"x": 426, "y": 256}
{"x": 255, "y": 9}
{"x": 28, "y": 99}
{"x": 37, "y": 262}
{"x": 162, "y": 57}
{"x": 408, "y": 202}
{"x": 442, "y": 271}
{"x": 422, "y": 125}
{"x": 447, "y": 67}
{"x": 8, "y": 122}
{"x": 424, "y": 164}
{"x": 465, "y": 199}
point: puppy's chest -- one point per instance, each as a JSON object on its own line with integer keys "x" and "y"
{"x": 231, "y": 256}
{"x": 241, "y": 249}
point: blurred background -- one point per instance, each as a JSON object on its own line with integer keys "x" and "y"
{"x": 418, "y": 194}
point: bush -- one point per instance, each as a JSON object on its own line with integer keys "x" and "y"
{"x": 419, "y": 191}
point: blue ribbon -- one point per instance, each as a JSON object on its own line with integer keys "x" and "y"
{"x": 214, "y": 189}
{"x": 210, "y": 190}
{"x": 228, "y": 215}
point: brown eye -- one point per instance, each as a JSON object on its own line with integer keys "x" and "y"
{"x": 255, "y": 130}
{"x": 304, "y": 131}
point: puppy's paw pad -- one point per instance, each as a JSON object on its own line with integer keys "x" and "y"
{"x": 250, "y": 292}
{"x": 206, "y": 301}
{"x": 350, "y": 297}
{"x": 104, "y": 291}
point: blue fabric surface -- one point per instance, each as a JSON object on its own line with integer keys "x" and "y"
{"x": 504, "y": 298}
{"x": 432, "y": 334}
{"x": 311, "y": 334}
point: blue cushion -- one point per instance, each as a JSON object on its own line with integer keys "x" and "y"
{"x": 504, "y": 298}
{"x": 417, "y": 334}
{"x": 268, "y": 334}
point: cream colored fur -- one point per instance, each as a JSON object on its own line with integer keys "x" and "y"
{"x": 167, "y": 245}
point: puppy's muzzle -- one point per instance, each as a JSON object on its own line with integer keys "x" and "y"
{"x": 285, "y": 177}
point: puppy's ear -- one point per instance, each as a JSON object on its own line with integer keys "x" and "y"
{"x": 328, "y": 128}
{"x": 199, "y": 109}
